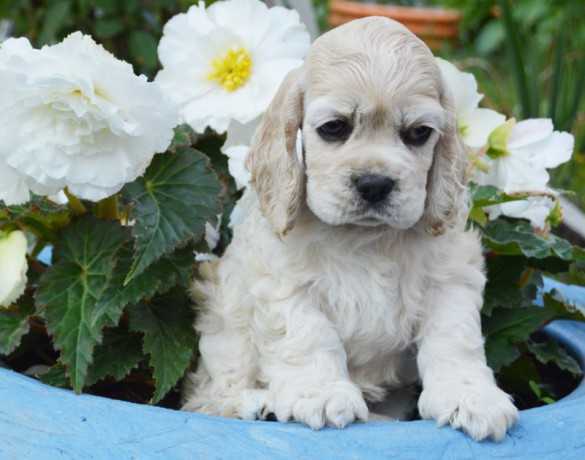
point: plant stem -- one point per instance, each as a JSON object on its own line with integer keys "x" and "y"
{"x": 75, "y": 202}
{"x": 108, "y": 208}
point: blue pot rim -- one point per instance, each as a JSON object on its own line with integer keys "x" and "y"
{"x": 39, "y": 421}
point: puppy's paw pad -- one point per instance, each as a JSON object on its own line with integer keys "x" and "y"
{"x": 481, "y": 410}
{"x": 336, "y": 404}
{"x": 255, "y": 404}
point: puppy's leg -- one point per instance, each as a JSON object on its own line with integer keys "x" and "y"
{"x": 458, "y": 386}
{"x": 225, "y": 381}
{"x": 304, "y": 363}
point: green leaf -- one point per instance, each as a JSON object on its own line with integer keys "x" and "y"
{"x": 551, "y": 351}
{"x": 183, "y": 137}
{"x": 68, "y": 290}
{"x": 516, "y": 237}
{"x": 503, "y": 285}
{"x": 57, "y": 15}
{"x": 489, "y": 195}
{"x": 535, "y": 388}
{"x": 505, "y": 328}
{"x": 39, "y": 216}
{"x": 13, "y": 326}
{"x": 56, "y": 376}
{"x": 169, "y": 337}
{"x": 170, "y": 270}
{"x": 108, "y": 27}
{"x": 500, "y": 353}
{"x": 142, "y": 47}
{"x": 119, "y": 353}
{"x": 171, "y": 203}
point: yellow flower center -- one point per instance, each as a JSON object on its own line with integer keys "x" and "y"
{"x": 232, "y": 69}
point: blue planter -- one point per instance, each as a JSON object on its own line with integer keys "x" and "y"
{"x": 42, "y": 422}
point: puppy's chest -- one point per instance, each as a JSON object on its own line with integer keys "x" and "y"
{"x": 370, "y": 301}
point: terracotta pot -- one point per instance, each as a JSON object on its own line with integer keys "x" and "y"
{"x": 436, "y": 27}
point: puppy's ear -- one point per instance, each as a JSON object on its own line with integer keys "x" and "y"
{"x": 277, "y": 175}
{"x": 446, "y": 184}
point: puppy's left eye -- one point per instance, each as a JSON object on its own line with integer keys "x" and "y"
{"x": 335, "y": 130}
{"x": 416, "y": 135}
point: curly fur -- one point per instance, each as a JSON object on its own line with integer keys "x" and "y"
{"x": 324, "y": 305}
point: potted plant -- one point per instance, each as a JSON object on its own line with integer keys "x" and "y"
{"x": 437, "y": 27}
{"x": 107, "y": 312}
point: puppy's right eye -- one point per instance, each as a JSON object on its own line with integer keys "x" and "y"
{"x": 335, "y": 130}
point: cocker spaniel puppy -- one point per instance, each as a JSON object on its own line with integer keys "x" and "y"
{"x": 354, "y": 274}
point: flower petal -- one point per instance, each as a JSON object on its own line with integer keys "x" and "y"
{"x": 13, "y": 266}
{"x": 477, "y": 125}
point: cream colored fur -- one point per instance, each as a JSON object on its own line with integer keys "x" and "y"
{"x": 323, "y": 305}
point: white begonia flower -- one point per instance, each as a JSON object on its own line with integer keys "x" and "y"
{"x": 238, "y": 141}
{"x": 13, "y": 266}
{"x": 12, "y": 187}
{"x": 518, "y": 155}
{"x": 227, "y": 61}
{"x": 72, "y": 115}
{"x": 475, "y": 124}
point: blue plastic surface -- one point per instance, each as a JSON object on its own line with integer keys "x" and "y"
{"x": 42, "y": 422}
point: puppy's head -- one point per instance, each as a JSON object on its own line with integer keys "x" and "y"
{"x": 380, "y": 139}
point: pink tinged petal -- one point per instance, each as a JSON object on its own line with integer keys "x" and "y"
{"x": 528, "y": 132}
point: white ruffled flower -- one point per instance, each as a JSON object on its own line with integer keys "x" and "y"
{"x": 13, "y": 266}
{"x": 475, "y": 124}
{"x": 72, "y": 115}
{"x": 518, "y": 155}
{"x": 13, "y": 190}
{"x": 227, "y": 61}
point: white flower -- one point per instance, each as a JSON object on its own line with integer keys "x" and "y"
{"x": 12, "y": 187}
{"x": 227, "y": 61}
{"x": 13, "y": 266}
{"x": 518, "y": 155}
{"x": 521, "y": 152}
{"x": 238, "y": 141}
{"x": 72, "y": 115}
{"x": 536, "y": 209}
{"x": 475, "y": 124}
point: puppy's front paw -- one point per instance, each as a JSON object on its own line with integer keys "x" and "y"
{"x": 333, "y": 404}
{"x": 481, "y": 410}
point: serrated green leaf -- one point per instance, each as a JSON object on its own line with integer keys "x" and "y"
{"x": 489, "y": 195}
{"x": 505, "y": 328}
{"x": 516, "y": 237}
{"x": 170, "y": 270}
{"x": 39, "y": 216}
{"x": 500, "y": 353}
{"x": 169, "y": 337}
{"x": 183, "y": 137}
{"x": 56, "y": 376}
{"x": 503, "y": 285}
{"x": 13, "y": 326}
{"x": 516, "y": 324}
{"x": 68, "y": 290}
{"x": 119, "y": 353}
{"x": 551, "y": 351}
{"x": 171, "y": 203}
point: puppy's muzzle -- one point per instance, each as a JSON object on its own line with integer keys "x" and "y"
{"x": 374, "y": 188}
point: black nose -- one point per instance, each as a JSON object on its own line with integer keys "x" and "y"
{"x": 374, "y": 187}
